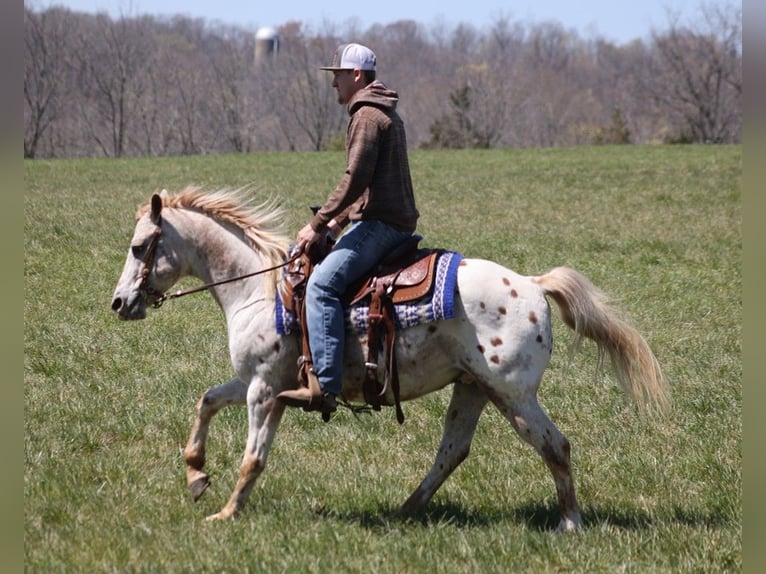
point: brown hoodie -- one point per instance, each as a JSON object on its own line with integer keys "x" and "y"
{"x": 376, "y": 184}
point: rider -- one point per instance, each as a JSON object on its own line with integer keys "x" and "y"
{"x": 375, "y": 195}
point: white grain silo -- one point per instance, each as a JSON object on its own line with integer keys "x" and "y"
{"x": 266, "y": 43}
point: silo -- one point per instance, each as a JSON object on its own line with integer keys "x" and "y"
{"x": 266, "y": 43}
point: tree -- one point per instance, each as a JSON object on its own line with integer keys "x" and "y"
{"x": 453, "y": 129}
{"x": 113, "y": 58}
{"x": 231, "y": 59}
{"x": 616, "y": 81}
{"x": 45, "y": 54}
{"x": 305, "y": 101}
{"x": 178, "y": 80}
{"x": 478, "y": 112}
{"x": 696, "y": 74}
{"x": 616, "y": 132}
{"x": 159, "y": 86}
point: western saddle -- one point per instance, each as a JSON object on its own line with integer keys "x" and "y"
{"x": 406, "y": 274}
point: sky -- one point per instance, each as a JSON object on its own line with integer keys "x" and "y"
{"x": 612, "y": 20}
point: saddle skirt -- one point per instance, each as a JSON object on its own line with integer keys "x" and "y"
{"x": 424, "y": 285}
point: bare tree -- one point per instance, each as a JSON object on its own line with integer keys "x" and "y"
{"x": 151, "y": 86}
{"x": 187, "y": 122}
{"x": 550, "y": 46}
{"x": 45, "y": 53}
{"x": 549, "y": 98}
{"x": 113, "y": 57}
{"x": 424, "y": 82}
{"x": 498, "y": 93}
{"x": 308, "y": 104}
{"x": 696, "y": 73}
{"x": 615, "y": 82}
{"x": 150, "y": 135}
{"x": 186, "y": 76}
{"x": 230, "y": 56}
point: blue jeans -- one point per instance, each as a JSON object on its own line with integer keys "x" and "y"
{"x": 356, "y": 253}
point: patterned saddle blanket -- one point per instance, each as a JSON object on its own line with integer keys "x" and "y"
{"x": 436, "y": 305}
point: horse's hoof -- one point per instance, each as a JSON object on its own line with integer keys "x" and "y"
{"x": 569, "y": 525}
{"x": 198, "y": 487}
{"x": 223, "y": 515}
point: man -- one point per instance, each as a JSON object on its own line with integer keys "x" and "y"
{"x": 375, "y": 196}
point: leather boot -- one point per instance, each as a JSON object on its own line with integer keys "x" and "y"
{"x": 309, "y": 396}
{"x": 309, "y": 399}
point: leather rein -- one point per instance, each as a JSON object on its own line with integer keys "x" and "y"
{"x": 160, "y": 297}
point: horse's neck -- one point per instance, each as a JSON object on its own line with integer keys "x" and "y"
{"x": 217, "y": 252}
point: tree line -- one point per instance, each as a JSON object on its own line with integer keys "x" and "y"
{"x": 150, "y": 86}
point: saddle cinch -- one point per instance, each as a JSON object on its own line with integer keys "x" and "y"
{"x": 406, "y": 274}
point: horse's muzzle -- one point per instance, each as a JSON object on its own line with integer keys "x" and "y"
{"x": 129, "y": 308}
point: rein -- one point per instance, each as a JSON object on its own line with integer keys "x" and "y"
{"x": 148, "y": 262}
{"x": 180, "y": 293}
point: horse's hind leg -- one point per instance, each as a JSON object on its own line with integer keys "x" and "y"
{"x": 467, "y": 404}
{"x": 535, "y": 427}
{"x": 233, "y": 392}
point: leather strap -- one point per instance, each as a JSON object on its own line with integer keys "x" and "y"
{"x": 373, "y": 391}
{"x": 381, "y": 314}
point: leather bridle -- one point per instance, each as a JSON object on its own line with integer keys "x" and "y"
{"x": 147, "y": 264}
{"x": 160, "y": 297}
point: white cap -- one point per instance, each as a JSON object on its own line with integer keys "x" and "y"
{"x": 352, "y": 57}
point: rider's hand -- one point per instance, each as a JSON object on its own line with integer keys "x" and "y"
{"x": 306, "y": 237}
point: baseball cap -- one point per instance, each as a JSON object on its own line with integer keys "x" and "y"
{"x": 352, "y": 56}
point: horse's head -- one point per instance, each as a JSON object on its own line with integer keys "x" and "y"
{"x": 149, "y": 268}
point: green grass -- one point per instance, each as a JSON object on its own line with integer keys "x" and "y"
{"x": 108, "y": 405}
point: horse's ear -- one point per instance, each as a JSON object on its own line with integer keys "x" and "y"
{"x": 156, "y": 207}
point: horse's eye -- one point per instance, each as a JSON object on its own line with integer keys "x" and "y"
{"x": 138, "y": 251}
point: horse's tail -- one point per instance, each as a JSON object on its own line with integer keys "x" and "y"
{"x": 586, "y": 309}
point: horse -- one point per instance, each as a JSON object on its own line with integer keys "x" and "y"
{"x": 494, "y": 350}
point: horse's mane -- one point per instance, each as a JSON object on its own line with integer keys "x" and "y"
{"x": 262, "y": 223}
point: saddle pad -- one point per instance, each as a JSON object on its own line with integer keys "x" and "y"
{"x": 440, "y": 304}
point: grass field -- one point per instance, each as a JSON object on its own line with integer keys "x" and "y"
{"x": 108, "y": 404}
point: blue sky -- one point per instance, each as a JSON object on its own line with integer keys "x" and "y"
{"x": 616, "y": 21}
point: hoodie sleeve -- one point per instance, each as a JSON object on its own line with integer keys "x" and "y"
{"x": 361, "y": 159}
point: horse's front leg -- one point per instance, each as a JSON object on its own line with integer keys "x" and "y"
{"x": 233, "y": 392}
{"x": 264, "y": 414}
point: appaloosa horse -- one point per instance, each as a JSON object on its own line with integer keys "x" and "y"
{"x": 495, "y": 348}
